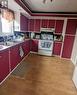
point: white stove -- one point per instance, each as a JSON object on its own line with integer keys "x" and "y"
{"x": 45, "y": 47}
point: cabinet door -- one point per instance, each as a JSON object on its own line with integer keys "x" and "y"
{"x": 68, "y": 46}
{"x": 59, "y": 26}
{"x": 31, "y": 24}
{"x": 71, "y": 26}
{"x": 44, "y": 23}
{"x": 4, "y": 64}
{"x": 57, "y": 48}
{"x": 51, "y": 24}
{"x": 14, "y": 56}
{"x": 34, "y": 45}
{"x": 37, "y": 25}
{"x": 26, "y": 47}
{"x": 23, "y": 23}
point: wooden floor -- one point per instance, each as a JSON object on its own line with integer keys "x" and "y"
{"x": 47, "y": 76}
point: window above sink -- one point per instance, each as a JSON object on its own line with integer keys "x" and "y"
{"x": 6, "y": 22}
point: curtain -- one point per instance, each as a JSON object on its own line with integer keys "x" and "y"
{"x": 7, "y": 14}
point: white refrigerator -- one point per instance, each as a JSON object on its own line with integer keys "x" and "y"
{"x": 75, "y": 76}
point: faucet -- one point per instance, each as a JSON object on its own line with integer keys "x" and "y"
{"x": 5, "y": 40}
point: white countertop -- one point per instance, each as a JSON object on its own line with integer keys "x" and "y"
{"x": 10, "y": 44}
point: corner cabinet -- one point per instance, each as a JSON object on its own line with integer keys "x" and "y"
{"x": 14, "y": 56}
{"x": 4, "y": 64}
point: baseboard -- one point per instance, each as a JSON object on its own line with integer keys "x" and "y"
{"x": 74, "y": 84}
{"x": 33, "y": 52}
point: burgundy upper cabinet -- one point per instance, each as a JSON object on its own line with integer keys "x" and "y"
{"x": 31, "y": 25}
{"x": 37, "y": 25}
{"x": 23, "y": 23}
{"x": 67, "y": 47}
{"x": 71, "y": 26}
{"x": 51, "y": 24}
{"x": 44, "y": 23}
{"x": 4, "y": 64}
{"x": 59, "y": 26}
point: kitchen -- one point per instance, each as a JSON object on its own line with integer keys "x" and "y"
{"x": 36, "y": 33}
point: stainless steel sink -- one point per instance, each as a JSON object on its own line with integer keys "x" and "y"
{"x": 8, "y": 43}
{"x": 2, "y": 47}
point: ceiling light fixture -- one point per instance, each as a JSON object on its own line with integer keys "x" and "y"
{"x": 44, "y": 1}
{"x": 4, "y": 3}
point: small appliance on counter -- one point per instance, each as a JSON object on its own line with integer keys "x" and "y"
{"x": 35, "y": 35}
{"x": 58, "y": 37}
{"x": 32, "y": 35}
{"x": 24, "y": 35}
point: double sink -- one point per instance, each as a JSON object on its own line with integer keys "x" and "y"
{"x": 4, "y": 45}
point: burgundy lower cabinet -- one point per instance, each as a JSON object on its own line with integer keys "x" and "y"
{"x": 26, "y": 47}
{"x": 57, "y": 48}
{"x": 14, "y": 56}
{"x": 34, "y": 45}
{"x": 4, "y": 64}
{"x": 68, "y": 46}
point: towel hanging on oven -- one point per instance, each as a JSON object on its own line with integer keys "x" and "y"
{"x": 21, "y": 51}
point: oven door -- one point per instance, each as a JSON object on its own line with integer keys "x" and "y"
{"x": 45, "y": 45}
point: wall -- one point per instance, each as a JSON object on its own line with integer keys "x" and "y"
{"x": 17, "y": 21}
{"x": 21, "y": 22}
{"x": 0, "y": 25}
{"x": 74, "y": 52}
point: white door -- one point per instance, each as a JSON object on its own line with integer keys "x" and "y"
{"x": 75, "y": 76}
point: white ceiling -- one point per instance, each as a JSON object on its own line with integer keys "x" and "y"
{"x": 54, "y": 6}
{"x": 16, "y": 8}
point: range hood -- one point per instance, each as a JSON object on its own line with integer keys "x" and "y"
{"x": 47, "y": 29}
